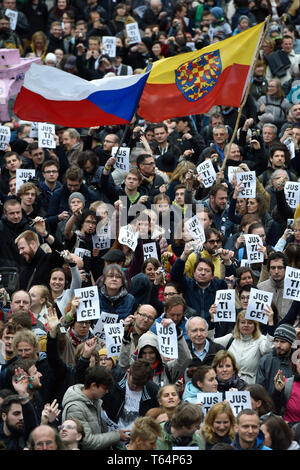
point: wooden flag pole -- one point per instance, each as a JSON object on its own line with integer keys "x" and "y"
{"x": 266, "y": 25}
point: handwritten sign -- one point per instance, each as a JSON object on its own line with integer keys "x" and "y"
{"x": 127, "y": 236}
{"x": 292, "y": 193}
{"x": 167, "y": 340}
{"x": 257, "y": 301}
{"x": 122, "y": 158}
{"x": 22, "y": 176}
{"x": 252, "y": 243}
{"x": 195, "y": 228}
{"x": 207, "y": 172}
{"x": 238, "y": 401}
{"x": 46, "y": 133}
{"x": 248, "y": 179}
{"x": 89, "y": 307}
{"x": 133, "y": 33}
{"x": 4, "y": 137}
{"x": 291, "y": 288}
{"x": 113, "y": 339}
{"x": 225, "y": 301}
{"x": 109, "y": 45}
{"x": 207, "y": 400}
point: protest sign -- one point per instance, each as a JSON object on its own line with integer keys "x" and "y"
{"x": 82, "y": 252}
{"x": 291, "y": 288}
{"x": 122, "y": 158}
{"x": 252, "y": 243}
{"x": 225, "y": 301}
{"x": 4, "y": 137}
{"x": 195, "y": 228}
{"x": 238, "y": 401}
{"x": 292, "y": 193}
{"x": 46, "y": 134}
{"x": 257, "y": 301}
{"x": 150, "y": 250}
{"x": 167, "y": 340}
{"x": 106, "y": 318}
{"x": 109, "y": 45}
{"x": 207, "y": 172}
{"x": 13, "y": 18}
{"x": 207, "y": 400}
{"x": 245, "y": 263}
{"x": 22, "y": 176}
{"x": 89, "y": 307}
{"x": 248, "y": 179}
{"x": 133, "y": 33}
{"x": 232, "y": 170}
{"x": 128, "y": 236}
{"x": 113, "y": 339}
{"x": 102, "y": 240}
{"x": 34, "y": 130}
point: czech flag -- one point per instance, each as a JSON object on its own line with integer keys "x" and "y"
{"x": 193, "y": 82}
{"x": 52, "y": 95}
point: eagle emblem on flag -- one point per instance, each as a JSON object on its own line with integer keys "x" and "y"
{"x": 196, "y": 78}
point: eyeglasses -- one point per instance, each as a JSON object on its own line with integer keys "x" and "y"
{"x": 146, "y": 317}
{"x": 213, "y": 241}
{"x": 116, "y": 276}
{"x": 104, "y": 387}
{"x": 169, "y": 294}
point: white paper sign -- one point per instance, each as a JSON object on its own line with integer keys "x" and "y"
{"x": 34, "y": 130}
{"x": 257, "y": 301}
{"x": 207, "y": 400}
{"x": 245, "y": 263}
{"x": 252, "y": 243}
{"x": 291, "y": 146}
{"x": 109, "y": 45}
{"x": 89, "y": 307}
{"x": 232, "y": 170}
{"x": 225, "y": 300}
{"x": 195, "y": 228}
{"x": 133, "y": 33}
{"x": 22, "y": 176}
{"x": 82, "y": 252}
{"x": 122, "y": 158}
{"x": 102, "y": 240}
{"x": 248, "y": 179}
{"x": 167, "y": 340}
{"x": 292, "y": 193}
{"x": 291, "y": 289}
{"x": 127, "y": 236}
{"x": 13, "y": 18}
{"x": 46, "y": 134}
{"x": 238, "y": 401}
{"x": 106, "y": 318}
{"x": 150, "y": 250}
{"x": 207, "y": 172}
{"x": 113, "y": 339}
{"x": 4, "y": 137}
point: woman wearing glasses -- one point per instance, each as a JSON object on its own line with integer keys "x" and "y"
{"x": 71, "y": 433}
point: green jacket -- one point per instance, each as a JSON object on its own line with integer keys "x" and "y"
{"x": 165, "y": 442}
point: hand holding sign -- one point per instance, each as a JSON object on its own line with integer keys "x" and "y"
{"x": 248, "y": 180}
{"x": 225, "y": 305}
{"x": 167, "y": 339}
{"x": 89, "y": 308}
{"x": 256, "y": 308}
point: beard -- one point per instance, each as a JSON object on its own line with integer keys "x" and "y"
{"x": 15, "y": 430}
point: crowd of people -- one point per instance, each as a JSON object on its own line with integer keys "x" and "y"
{"x": 63, "y": 229}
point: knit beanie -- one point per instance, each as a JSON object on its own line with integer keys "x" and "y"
{"x": 217, "y": 12}
{"x": 286, "y": 333}
{"x": 103, "y": 352}
{"x": 78, "y": 196}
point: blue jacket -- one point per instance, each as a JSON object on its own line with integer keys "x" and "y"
{"x": 258, "y": 444}
{"x": 121, "y": 304}
{"x": 181, "y": 326}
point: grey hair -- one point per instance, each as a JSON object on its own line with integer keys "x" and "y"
{"x": 73, "y": 133}
{"x": 114, "y": 267}
{"x": 269, "y": 124}
{"x": 187, "y": 325}
{"x": 276, "y": 173}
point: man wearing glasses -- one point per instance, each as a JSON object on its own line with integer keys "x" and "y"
{"x": 134, "y": 327}
{"x": 151, "y": 181}
{"x": 50, "y": 172}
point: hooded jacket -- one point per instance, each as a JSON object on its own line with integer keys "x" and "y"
{"x": 77, "y": 405}
{"x": 257, "y": 446}
{"x": 268, "y": 367}
{"x": 167, "y": 441}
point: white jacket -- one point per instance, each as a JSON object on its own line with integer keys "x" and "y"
{"x": 247, "y": 352}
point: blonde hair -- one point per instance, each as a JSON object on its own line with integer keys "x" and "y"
{"x": 27, "y": 187}
{"x": 236, "y": 331}
{"x": 45, "y": 293}
{"x": 25, "y": 336}
{"x": 217, "y": 409}
{"x": 181, "y": 170}
{"x": 29, "y": 236}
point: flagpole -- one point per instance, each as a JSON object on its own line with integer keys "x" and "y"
{"x": 267, "y": 21}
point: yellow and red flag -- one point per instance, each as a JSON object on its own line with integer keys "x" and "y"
{"x": 193, "y": 82}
